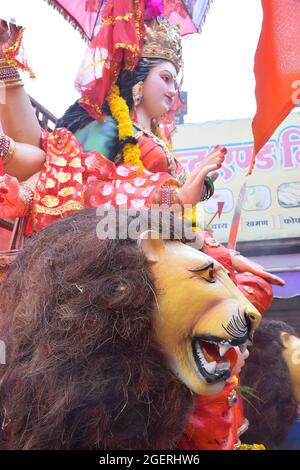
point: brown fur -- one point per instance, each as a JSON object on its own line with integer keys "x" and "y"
{"x": 267, "y": 373}
{"x": 84, "y": 370}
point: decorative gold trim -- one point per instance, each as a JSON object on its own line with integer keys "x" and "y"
{"x": 65, "y": 192}
{"x": 92, "y": 105}
{"x": 131, "y": 47}
{"x": 10, "y": 153}
{"x": 68, "y": 206}
{"x": 111, "y": 20}
{"x": 9, "y": 54}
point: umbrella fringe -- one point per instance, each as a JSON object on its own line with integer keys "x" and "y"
{"x": 68, "y": 18}
{"x": 76, "y": 26}
{"x": 205, "y": 15}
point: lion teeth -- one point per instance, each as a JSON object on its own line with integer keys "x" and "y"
{"x": 210, "y": 367}
{"x": 222, "y": 366}
{"x": 223, "y": 348}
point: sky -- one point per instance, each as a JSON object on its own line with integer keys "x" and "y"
{"x": 218, "y": 62}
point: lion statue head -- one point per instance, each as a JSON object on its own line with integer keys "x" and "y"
{"x": 108, "y": 340}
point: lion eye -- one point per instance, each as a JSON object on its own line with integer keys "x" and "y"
{"x": 208, "y": 273}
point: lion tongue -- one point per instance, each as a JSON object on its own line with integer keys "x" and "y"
{"x": 232, "y": 356}
{"x": 210, "y": 351}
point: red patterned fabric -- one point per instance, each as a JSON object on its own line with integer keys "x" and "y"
{"x": 117, "y": 45}
{"x": 214, "y": 424}
{"x": 72, "y": 179}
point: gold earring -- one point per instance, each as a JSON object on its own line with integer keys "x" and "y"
{"x": 137, "y": 94}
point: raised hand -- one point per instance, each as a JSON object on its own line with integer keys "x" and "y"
{"x": 242, "y": 264}
{"x": 8, "y": 35}
{"x": 193, "y": 190}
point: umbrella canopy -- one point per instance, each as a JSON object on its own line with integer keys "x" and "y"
{"x": 85, "y": 15}
{"x": 115, "y": 31}
{"x": 189, "y": 14}
{"x": 81, "y": 14}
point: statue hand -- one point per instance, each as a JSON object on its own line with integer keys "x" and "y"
{"x": 193, "y": 190}
{"x": 8, "y": 35}
{"x": 242, "y": 264}
{"x": 10, "y": 203}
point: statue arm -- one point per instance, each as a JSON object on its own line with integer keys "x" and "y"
{"x": 18, "y": 119}
{"x": 22, "y": 160}
{"x": 17, "y": 116}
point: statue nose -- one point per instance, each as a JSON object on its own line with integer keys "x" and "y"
{"x": 254, "y": 317}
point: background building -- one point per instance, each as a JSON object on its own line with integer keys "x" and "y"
{"x": 270, "y": 223}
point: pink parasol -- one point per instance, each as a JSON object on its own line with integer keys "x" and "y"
{"x": 85, "y": 15}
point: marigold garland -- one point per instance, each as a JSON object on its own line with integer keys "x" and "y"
{"x": 120, "y": 112}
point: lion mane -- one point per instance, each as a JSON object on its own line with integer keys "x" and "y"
{"x": 84, "y": 370}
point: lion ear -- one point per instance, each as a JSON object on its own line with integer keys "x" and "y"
{"x": 285, "y": 339}
{"x": 151, "y": 244}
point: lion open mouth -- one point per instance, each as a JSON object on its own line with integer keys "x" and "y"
{"x": 215, "y": 358}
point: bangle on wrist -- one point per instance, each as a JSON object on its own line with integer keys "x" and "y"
{"x": 26, "y": 194}
{"x": 209, "y": 188}
{"x": 7, "y": 149}
{"x": 169, "y": 196}
{"x": 8, "y": 73}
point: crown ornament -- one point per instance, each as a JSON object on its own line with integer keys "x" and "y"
{"x": 163, "y": 41}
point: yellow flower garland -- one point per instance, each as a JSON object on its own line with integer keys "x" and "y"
{"x": 120, "y": 112}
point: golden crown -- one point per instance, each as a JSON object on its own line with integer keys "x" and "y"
{"x": 163, "y": 41}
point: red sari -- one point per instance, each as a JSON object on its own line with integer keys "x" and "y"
{"x": 73, "y": 179}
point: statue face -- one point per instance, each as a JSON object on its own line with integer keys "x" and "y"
{"x": 201, "y": 315}
{"x": 159, "y": 90}
{"x": 291, "y": 354}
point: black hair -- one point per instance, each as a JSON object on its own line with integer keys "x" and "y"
{"x": 266, "y": 371}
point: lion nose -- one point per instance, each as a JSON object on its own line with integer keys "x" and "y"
{"x": 254, "y": 318}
